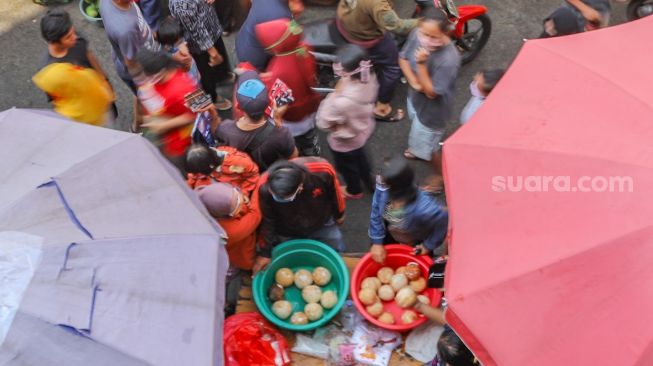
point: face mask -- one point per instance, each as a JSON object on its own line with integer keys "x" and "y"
{"x": 287, "y": 199}
{"x": 429, "y": 43}
{"x": 473, "y": 88}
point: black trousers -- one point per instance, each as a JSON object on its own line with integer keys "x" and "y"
{"x": 308, "y": 144}
{"x": 211, "y": 76}
{"x": 355, "y": 169}
{"x": 225, "y": 10}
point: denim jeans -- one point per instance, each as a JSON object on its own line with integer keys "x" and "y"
{"x": 329, "y": 234}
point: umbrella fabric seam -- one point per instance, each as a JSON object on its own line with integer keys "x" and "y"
{"x": 69, "y": 210}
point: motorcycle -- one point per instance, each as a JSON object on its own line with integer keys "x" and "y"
{"x": 638, "y": 9}
{"x": 472, "y": 29}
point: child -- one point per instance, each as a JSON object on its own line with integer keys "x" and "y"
{"x": 348, "y": 115}
{"x": 483, "y": 83}
{"x": 71, "y": 75}
{"x": 430, "y": 63}
{"x": 171, "y": 37}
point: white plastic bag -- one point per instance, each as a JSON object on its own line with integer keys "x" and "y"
{"x": 374, "y": 345}
{"x": 307, "y": 346}
{"x": 20, "y": 255}
{"x": 421, "y": 342}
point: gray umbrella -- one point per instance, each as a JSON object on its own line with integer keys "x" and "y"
{"x": 106, "y": 257}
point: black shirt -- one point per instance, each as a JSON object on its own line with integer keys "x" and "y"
{"x": 77, "y": 55}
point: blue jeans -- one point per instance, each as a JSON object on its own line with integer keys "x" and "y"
{"x": 329, "y": 234}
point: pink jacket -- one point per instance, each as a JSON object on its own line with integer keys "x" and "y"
{"x": 348, "y": 114}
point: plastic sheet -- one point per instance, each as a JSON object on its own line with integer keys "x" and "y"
{"x": 20, "y": 255}
{"x": 421, "y": 342}
{"x": 249, "y": 340}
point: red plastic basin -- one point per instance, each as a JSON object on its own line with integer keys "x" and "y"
{"x": 398, "y": 255}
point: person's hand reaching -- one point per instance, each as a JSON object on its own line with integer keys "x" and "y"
{"x": 378, "y": 253}
{"x": 259, "y": 264}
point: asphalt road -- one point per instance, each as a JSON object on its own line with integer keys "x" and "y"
{"x": 23, "y": 51}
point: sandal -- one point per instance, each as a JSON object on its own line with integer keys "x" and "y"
{"x": 395, "y": 115}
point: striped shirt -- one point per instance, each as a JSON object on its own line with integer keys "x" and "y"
{"x": 200, "y": 22}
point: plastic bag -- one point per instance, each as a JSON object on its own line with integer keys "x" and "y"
{"x": 249, "y": 340}
{"x": 310, "y": 347}
{"x": 374, "y": 345}
{"x": 421, "y": 342}
{"x": 20, "y": 255}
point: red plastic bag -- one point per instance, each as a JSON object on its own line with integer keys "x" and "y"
{"x": 249, "y": 340}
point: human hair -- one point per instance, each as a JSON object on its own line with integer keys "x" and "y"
{"x": 453, "y": 351}
{"x": 491, "y": 78}
{"x": 154, "y": 62}
{"x": 254, "y": 117}
{"x": 201, "y": 159}
{"x": 433, "y": 14}
{"x": 285, "y": 177}
{"x": 350, "y": 57}
{"x": 400, "y": 179}
{"x": 169, "y": 32}
{"x": 55, "y": 24}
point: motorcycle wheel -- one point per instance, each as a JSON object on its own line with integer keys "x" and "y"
{"x": 639, "y": 8}
{"x": 477, "y": 33}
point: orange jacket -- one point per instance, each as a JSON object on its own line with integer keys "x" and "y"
{"x": 237, "y": 169}
{"x": 242, "y": 234}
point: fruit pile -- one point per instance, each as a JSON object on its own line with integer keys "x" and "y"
{"x": 310, "y": 285}
{"x": 401, "y": 286}
{"x": 92, "y": 8}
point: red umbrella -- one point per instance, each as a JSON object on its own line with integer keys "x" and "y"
{"x": 550, "y": 187}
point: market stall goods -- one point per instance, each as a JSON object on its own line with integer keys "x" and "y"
{"x": 284, "y": 277}
{"x": 418, "y": 285}
{"x": 424, "y": 299}
{"x": 412, "y": 271}
{"x": 408, "y": 317}
{"x": 329, "y": 299}
{"x": 401, "y": 270}
{"x": 398, "y": 282}
{"x": 303, "y": 278}
{"x": 371, "y": 282}
{"x": 313, "y": 311}
{"x": 367, "y": 296}
{"x": 387, "y": 318}
{"x": 375, "y": 309}
{"x": 406, "y": 297}
{"x": 282, "y": 309}
{"x": 386, "y": 293}
{"x": 385, "y": 274}
{"x": 299, "y": 318}
{"x": 276, "y": 292}
{"x": 321, "y": 276}
{"x": 311, "y": 294}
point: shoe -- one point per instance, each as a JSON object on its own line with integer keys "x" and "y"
{"x": 223, "y": 104}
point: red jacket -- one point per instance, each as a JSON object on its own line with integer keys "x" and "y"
{"x": 292, "y": 63}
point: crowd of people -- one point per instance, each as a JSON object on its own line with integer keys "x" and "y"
{"x": 260, "y": 174}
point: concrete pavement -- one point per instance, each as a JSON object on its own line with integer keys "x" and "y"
{"x": 23, "y": 51}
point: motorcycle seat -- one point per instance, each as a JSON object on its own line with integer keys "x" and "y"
{"x": 323, "y": 36}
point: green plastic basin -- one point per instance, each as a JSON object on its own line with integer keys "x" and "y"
{"x": 301, "y": 254}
